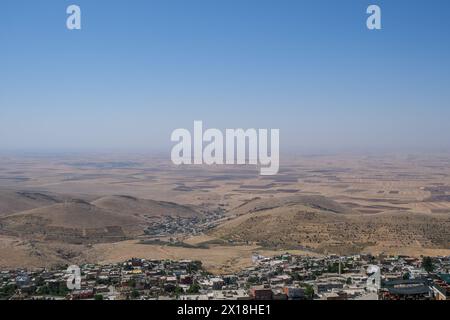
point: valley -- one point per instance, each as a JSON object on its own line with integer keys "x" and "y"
{"x": 60, "y": 209}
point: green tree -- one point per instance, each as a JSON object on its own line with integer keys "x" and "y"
{"x": 98, "y": 297}
{"x": 194, "y": 266}
{"x": 135, "y": 294}
{"x": 178, "y": 290}
{"x": 333, "y": 268}
{"x": 427, "y": 264}
{"x": 193, "y": 289}
{"x": 44, "y": 290}
{"x": 296, "y": 277}
{"x": 252, "y": 279}
{"x": 7, "y": 291}
{"x": 309, "y": 291}
{"x": 132, "y": 283}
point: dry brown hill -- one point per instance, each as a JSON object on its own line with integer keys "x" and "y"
{"x": 315, "y": 202}
{"x": 302, "y": 225}
{"x": 143, "y": 207}
{"x": 16, "y": 201}
{"x": 42, "y": 216}
{"x": 73, "y": 221}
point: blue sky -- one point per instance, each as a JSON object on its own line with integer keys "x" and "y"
{"x": 140, "y": 69}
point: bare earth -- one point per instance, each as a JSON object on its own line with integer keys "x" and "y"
{"x": 67, "y": 208}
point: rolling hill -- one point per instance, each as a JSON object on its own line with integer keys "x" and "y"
{"x": 323, "y": 226}
{"x": 16, "y": 201}
{"x": 143, "y": 207}
{"x": 315, "y": 202}
{"x": 107, "y": 219}
{"x": 73, "y": 221}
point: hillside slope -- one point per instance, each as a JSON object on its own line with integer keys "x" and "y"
{"x": 300, "y": 225}
{"x": 16, "y": 201}
{"x": 143, "y": 207}
{"x": 71, "y": 221}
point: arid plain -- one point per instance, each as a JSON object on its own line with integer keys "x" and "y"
{"x": 59, "y": 209}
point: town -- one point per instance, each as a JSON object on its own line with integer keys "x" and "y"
{"x": 283, "y": 277}
{"x": 172, "y": 226}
